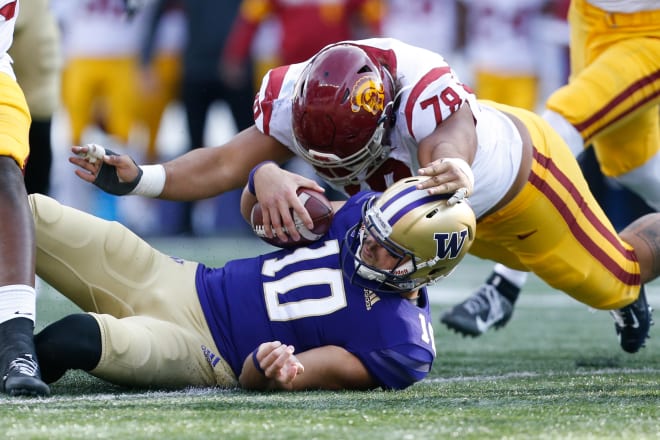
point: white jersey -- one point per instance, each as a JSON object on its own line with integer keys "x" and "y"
{"x": 8, "y": 14}
{"x": 171, "y": 32}
{"x": 430, "y": 92}
{"x": 503, "y": 35}
{"x": 430, "y": 24}
{"x": 626, "y": 6}
{"x": 98, "y": 28}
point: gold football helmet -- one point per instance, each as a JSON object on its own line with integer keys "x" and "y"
{"x": 428, "y": 237}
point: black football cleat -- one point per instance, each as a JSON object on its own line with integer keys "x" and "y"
{"x": 632, "y": 323}
{"x": 484, "y": 309}
{"x": 22, "y": 378}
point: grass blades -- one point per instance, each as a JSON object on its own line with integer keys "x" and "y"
{"x": 554, "y": 372}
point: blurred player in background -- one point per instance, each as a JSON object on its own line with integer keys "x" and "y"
{"x": 304, "y": 28}
{"x": 19, "y": 369}
{"x": 501, "y": 41}
{"x": 301, "y": 28}
{"x": 352, "y": 306}
{"x": 367, "y": 113}
{"x": 610, "y": 103}
{"x": 160, "y": 68}
{"x": 37, "y": 63}
{"x": 207, "y": 24}
{"x": 100, "y": 44}
{"x": 431, "y": 24}
{"x": 100, "y": 78}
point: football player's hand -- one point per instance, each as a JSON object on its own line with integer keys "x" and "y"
{"x": 276, "y": 191}
{"x": 113, "y": 173}
{"x": 448, "y": 176}
{"x": 278, "y": 362}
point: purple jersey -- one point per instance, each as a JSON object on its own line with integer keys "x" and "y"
{"x": 302, "y": 298}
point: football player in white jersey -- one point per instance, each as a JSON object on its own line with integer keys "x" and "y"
{"x": 508, "y": 71}
{"x": 19, "y": 369}
{"x": 367, "y": 113}
{"x": 611, "y": 103}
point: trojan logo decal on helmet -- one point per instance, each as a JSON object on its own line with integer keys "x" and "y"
{"x": 428, "y": 237}
{"x": 342, "y": 107}
{"x": 368, "y": 95}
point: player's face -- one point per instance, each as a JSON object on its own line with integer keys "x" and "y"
{"x": 374, "y": 254}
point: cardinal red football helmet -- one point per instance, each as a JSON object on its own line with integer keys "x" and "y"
{"x": 341, "y": 107}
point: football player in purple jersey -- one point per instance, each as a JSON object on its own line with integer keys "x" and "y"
{"x": 349, "y": 311}
{"x": 367, "y": 113}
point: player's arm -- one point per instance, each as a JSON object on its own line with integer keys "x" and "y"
{"x": 239, "y": 41}
{"x": 446, "y": 154}
{"x": 198, "y": 174}
{"x": 275, "y": 367}
{"x": 275, "y": 189}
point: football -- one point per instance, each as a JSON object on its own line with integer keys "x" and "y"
{"x": 320, "y": 210}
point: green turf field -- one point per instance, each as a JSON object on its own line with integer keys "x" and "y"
{"x": 555, "y": 372}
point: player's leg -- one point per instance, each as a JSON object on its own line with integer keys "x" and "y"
{"x": 613, "y": 96}
{"x": 493, "y": 303}
{"x": 490, "y": 306}
{"x": 630, "y": 154}
{"x": 632, "y": 321}
{"x": 153, "y": 103}
{"x": 38, "y": 168}
{"x": 624, "y": 123}
{"x": 100, "y": 265}
{"x": 72, "y": 343}
{"x": 134, "y": 351}
{"x": 144, "y": 302}
{"x": 121, "y": 89}
{"x": 19, "y": 369}
{"x": 79, "y": 85}
{"x": 519, "y": 90}
{"x": 583, "y": 110}
{"x": 576, "y": 249}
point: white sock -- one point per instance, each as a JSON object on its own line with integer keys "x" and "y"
{"x": 17, "y": 301}
{"x": 571, "y": 136}
{"x": 515, "y": 277}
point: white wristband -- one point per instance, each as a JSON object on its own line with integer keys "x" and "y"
{"x": 465, "y": 169}
{"x": 151, "y": 183}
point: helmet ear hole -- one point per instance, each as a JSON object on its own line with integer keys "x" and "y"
{"x": 438, "y": 272}
{"x": 365, "y": 69}
{"x": 347, "y": 95}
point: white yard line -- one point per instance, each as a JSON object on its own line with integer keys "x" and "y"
{"x": 532, "y": 374}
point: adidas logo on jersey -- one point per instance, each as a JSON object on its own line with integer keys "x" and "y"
{"x": 370, "y": 298}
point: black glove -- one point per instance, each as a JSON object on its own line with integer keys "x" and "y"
{"x": 108, "y": 180}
